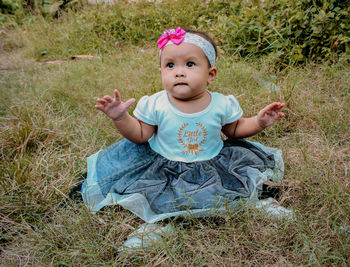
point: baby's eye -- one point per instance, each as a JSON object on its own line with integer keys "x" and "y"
{"x": 170, "y": 65}
{"x": 190, "y": 64}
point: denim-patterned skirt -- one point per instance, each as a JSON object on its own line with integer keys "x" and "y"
{"x": 155, "y": 188}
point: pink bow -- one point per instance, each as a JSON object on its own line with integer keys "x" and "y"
{"x": 176, "y": 36}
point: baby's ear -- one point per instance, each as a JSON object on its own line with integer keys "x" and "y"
{"x": 160, "y": 71}
{"x": 212, "y": 74}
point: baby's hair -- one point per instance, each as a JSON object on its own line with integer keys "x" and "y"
{"x": 206, "y": 37}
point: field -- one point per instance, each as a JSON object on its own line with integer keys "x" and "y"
{"x": 48, "y": 127}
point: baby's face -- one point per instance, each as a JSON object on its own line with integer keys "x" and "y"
{"x": 185, "y": 71}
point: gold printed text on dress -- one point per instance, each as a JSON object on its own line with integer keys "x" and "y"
{"x": 192, "y": 138}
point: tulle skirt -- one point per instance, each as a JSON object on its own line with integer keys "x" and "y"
{"x": 154, "y": 188}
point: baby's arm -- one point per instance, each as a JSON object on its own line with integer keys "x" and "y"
{"x": 245, "y": 127}
{"x": 131, "y": 128}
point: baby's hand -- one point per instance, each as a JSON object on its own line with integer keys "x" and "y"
{"x": 114, "y": 107}
{"x": 270, "y": 114}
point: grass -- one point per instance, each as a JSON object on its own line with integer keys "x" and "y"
{"x": 49, "y": 127}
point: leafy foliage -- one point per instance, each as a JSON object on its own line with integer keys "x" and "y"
{"x": 7, "y": 7}
{"x": 295, "y": 31}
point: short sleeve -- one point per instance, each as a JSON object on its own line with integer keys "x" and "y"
{"x": 144, "y": 110}
{"x": 233, "y": 110}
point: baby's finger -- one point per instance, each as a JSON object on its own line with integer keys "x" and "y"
{"x": 101, "y": 101}
{"x": 281, "y": 105}
{"x": 129, "y": 102}
{"x": 117, "y": 95}
{"x": 275, "y": 106}
{"x": 108, "y": 98}
{"x": 279, "y": 115}
{"x": 268, "y": 108}
{"x": 99, "y": 107}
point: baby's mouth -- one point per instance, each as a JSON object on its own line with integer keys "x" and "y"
{"x": 181, "y": 83}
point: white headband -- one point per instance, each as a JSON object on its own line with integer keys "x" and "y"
{"x": 179, "y": 35}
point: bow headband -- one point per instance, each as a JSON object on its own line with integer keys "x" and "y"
{"x": 179, "y": 35}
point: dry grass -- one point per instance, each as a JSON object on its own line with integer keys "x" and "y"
{"x": 49, "y": 127}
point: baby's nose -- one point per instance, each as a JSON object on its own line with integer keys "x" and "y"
{"x": 180, "y": 72}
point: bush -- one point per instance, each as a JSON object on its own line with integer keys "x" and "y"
{"x": 295, "y": 31}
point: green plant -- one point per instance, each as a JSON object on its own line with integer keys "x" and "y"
{"x": 295, "y": 31}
